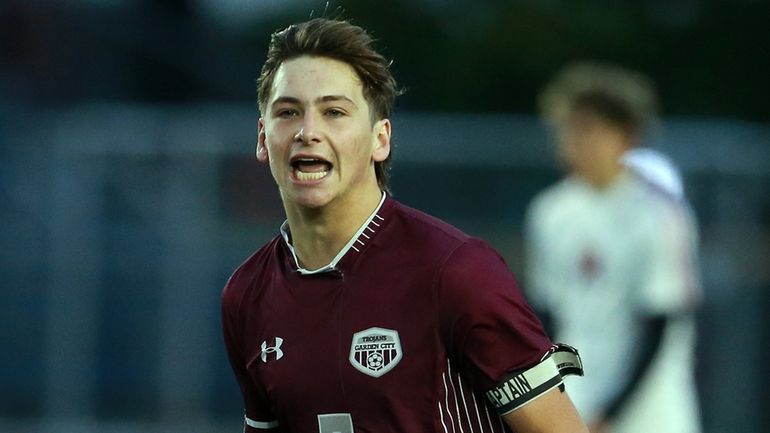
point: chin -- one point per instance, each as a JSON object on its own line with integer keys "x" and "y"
{"x": 312, "y": 200}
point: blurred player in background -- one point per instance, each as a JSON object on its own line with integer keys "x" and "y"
{"x": 611, "y": 255}
{"x": 363, "y": 314}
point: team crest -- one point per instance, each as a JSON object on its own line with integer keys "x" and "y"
{"x": 375, "y": 351}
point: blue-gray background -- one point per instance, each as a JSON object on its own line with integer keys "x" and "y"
{"x": 129, "y": 191}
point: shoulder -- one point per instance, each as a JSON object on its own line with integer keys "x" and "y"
{"x": 456, "y": 255}
{"x": 656, "y": 169}
{"x": 258, "y": 266}
{"x": 475, "y": 254}
{"x": 418, "y": 230}
{"x": 554, "y": 200}
{"x": 472, "y": 266}
{"x": 565, "y": 189}
{"x": 658, "y": 206}
{"x": 661, "y": 222}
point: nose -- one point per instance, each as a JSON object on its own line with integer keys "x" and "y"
{"x": 308, "y": 132}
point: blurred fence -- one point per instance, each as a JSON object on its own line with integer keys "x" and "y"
{"x": 121, "y": 223}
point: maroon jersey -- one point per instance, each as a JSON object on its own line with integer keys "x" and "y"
{"x": 406, "y": 332}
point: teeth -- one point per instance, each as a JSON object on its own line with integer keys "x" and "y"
{"x": 310, "y": 176}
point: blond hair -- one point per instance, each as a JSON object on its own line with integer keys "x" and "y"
{"x": 622, "y": 96}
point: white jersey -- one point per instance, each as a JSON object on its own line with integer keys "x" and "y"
{"x": 597, "y": 261}
{"x": 655, "y": 168}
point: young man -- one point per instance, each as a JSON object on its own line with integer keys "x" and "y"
{"x": 612, "y": 255}
{"x": 363, "y": 314}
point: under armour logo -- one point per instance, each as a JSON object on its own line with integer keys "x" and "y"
{"x": 272, "y": 349}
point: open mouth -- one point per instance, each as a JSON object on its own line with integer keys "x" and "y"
{"x": 308, "y": 169}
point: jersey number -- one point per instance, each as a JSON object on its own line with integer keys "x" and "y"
{"x": 335, "y": 423}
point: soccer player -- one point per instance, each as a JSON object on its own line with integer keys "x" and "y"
{"x": 364, "y": 315}
{"x": 611, "y": 255}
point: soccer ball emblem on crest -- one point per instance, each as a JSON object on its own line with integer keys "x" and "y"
{"x": 375, "y": 351}
{"x": 375, "y": 361}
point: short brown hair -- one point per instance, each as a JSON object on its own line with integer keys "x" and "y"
{"x": 338, "y": 40}
{"x": 624, "y": 97}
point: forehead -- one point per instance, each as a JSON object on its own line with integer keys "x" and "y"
{"x": 308, "y": 78}
{"x": 586, "y": 118}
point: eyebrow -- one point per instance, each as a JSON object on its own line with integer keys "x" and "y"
{"x": 327, "y": 98}
{"x": 335, "y": 98}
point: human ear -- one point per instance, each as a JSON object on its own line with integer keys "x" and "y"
{"x": 262, "y": 155}
{"x": 382, "y": 140}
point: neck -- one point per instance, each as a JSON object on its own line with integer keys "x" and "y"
{"x": 318, "y": 234}
{"x": 603, "y": 178}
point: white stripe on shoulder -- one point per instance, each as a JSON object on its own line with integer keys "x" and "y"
{"x": 446, "y": 400}
{"x": 465, "y": 403}
{"x": 478, "y": 415}
{"x": 489, "y": 419}
{"x": 441, "y": 417}
{"x": 259, "y": 424}
{"x": 454, "y": 394}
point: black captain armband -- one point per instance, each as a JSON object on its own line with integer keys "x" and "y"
{"x": 521, "y": 387}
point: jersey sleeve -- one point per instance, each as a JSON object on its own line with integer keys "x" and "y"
{"x": 669, "y": 276}
{"x": 488, "y": 327}
{"x": 257, "y": 414}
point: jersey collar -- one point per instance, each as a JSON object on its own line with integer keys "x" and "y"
{"x": 358, "y": 238}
